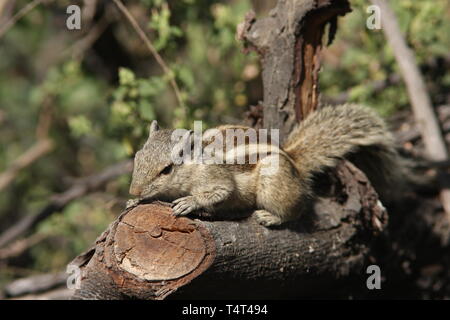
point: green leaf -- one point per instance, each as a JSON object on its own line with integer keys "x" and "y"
{"x": 126, "y": 77}
{"x": 80, "y": 125}
{"x": 146, "y": 110}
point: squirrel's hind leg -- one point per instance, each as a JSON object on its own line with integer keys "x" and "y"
{"x": 279, "y": 190}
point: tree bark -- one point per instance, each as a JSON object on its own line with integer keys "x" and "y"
{"x": 289, "y": 42}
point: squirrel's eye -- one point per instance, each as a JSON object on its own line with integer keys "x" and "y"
{"x": 167, "y": 169}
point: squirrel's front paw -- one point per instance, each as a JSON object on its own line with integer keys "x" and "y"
{"x": 184, "y": 206}
{"x": 132, "y": 203}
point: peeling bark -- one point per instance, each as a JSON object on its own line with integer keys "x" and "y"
{"x": 289, "y": 42}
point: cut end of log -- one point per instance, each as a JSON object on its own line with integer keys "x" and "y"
{"x": 146, "y": 253}
{"x": 152, "y": 244}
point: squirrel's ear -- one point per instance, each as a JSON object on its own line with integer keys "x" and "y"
{"x": 154, "y": 127}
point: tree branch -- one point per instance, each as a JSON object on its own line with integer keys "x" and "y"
{"x": 19, "y": 15}
{"x": 79, "y": 48}
{"x": 35, "y": 284}
{"x": 59, "y": 201}
{"x": 20, "y": 246}
{"x": 289, "y": 42}
{"x": 38, "y": 150}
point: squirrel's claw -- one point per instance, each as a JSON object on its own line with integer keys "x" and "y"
{"x": 131, "y": 203}
{"x": 184, "y": 206}
{"x": 266, "y": 218}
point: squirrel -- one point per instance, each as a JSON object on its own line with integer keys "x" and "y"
{"x": 317, "y": 143}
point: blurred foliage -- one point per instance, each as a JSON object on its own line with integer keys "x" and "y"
{"x": 102, "y": 101}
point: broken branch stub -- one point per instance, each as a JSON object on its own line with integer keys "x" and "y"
{"x": 146, "y": 253}
{"x": 289, "y": 42}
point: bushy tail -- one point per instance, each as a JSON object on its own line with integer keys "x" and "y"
{"x": 334, "y": 132}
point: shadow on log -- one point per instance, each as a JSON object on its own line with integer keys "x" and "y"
{"x": 147, "y": 253}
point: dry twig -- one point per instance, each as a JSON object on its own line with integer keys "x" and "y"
{"x": 81, "y": 46}
{"x": 20, "y": 246}
{"x": 59, "y": 201}
{"x": 38, "y": 150}
{"x": 152, "y": 50}
{"x": 19, "y": 15}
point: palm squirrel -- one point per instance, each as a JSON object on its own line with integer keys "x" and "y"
{"x": 277, "y": 193}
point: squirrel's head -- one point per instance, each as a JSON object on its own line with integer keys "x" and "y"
{"x": 154, "y": 167}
